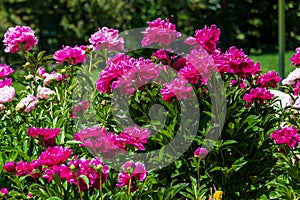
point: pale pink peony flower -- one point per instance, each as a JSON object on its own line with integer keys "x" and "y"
{"x": 44, "y": 93}
{"x": 284, "y": 99}
{"x": 7, "y": 94}
{"x": 160, "y": 31}
{"x": 292, "y": 77}
{"x": 2, "y": 107}
{"x": 19, "y": 34}
{"x": 107, "y": 38}
{"x": 28, "y": 103}
{"x": 6, "y": 70}
{"x": 74, "y": 55}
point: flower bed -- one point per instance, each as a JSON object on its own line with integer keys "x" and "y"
{"x": 191, "y": 121}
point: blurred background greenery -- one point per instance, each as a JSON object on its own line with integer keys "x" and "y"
{"x": 248, "y": 24}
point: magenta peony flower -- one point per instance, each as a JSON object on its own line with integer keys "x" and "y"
{"x": 74, "y": 55}
{"x": 45, "y": 136}
{"x": 50, "y": 171}
{"x": 296, "y": 88}
{"x": 5, "y": 82}
{"x": 28, "y": 103}
{"x": 90, "y": 168}
{"x": 270, "y": 79}
{"x": 5, "y": 70}
{"x": 295, "y": 59}
{"x": 9, "y": 167}
{"x": 4, "y": 192}
{"x": 235, "y": 61}
{"x": 288, "y": 136}
{"x": 54, "y": 156}
{"x": 200, "y": 152}
{"x": 208, "y": 38}
{"x": 29, "y": 196}
{"x": 177, "y": 88}
{"x": 133, "y": 171}
{"x": 160, "y": 31}
{"x": 16, "y": 35}
{"x": 44, "y": 93}
{"x": 7, "y": 94}
{"x": 24, "y": 168}
{"x": 257, "y": 94}
{"x": 107, "y": 38}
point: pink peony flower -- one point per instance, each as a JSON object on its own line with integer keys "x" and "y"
{"x": 74, "y": 55}
{"x": 54, "y": 156}
{"x": 16, "y": 35}
{"x": 200, "y": 152}
{"x": 131, "y": 136}
{"x": 79, "y": 108}
{"x": 257, "y": 94}
{"x": 177, "y": 88}
{"x": 45, "y": 136}
{"x": 96, "y": 139}
{"x": 28, "y": 103}
{"x": 284, "y": 99}
{"x": 53, "y": 77}
{"x": 107, "y": 38}
{"x": 7, "y": 94}
{"x": 44, "y": 93}
{"x": 208, "y": 38}
{"x": 270, "y": 79}
{"x": 288, "y": 136}
{"x": 4, "y": 192}
{"x": 133, "y": 171}
{"x": 160, "y": 31}
{"x": 5, "y": 82}
{"x": 296, "y": 88}
{"x": 29, "y": 196}
{"x": 9, "y": 167}
{"x": 140, "y": 75}
{"x": 115, "y": 68}
{"x": 5, "y": 70}
{"x": 295, "y": 59}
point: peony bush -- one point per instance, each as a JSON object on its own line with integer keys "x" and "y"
{"x": 87, "y": 121}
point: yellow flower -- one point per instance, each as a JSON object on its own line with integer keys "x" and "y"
{"x": 218, "y": 195}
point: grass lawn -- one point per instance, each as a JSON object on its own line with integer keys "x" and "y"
{"x": 271, "y": 62}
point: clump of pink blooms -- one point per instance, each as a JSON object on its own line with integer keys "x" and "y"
{"x": 6, "y": 90}
{"x": 45, "y": 136}
{"x": 15, "y": 36}
{"x": 27, "y": 104}
{"x": 73, "y": 55}
{"x": 107, "y": 38}
{"x": 288, "y": 136}
{"x": 160, "y": 31}
{"x": 52, "y": 77}
{"x": 176, "y": 88}
{"x": 258, "y": 95}
{"x": 208, "y": 38}
{"x": 200, "y": 152}
{"x": 79, "y": 108}
{"x": 134, "y": 171}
